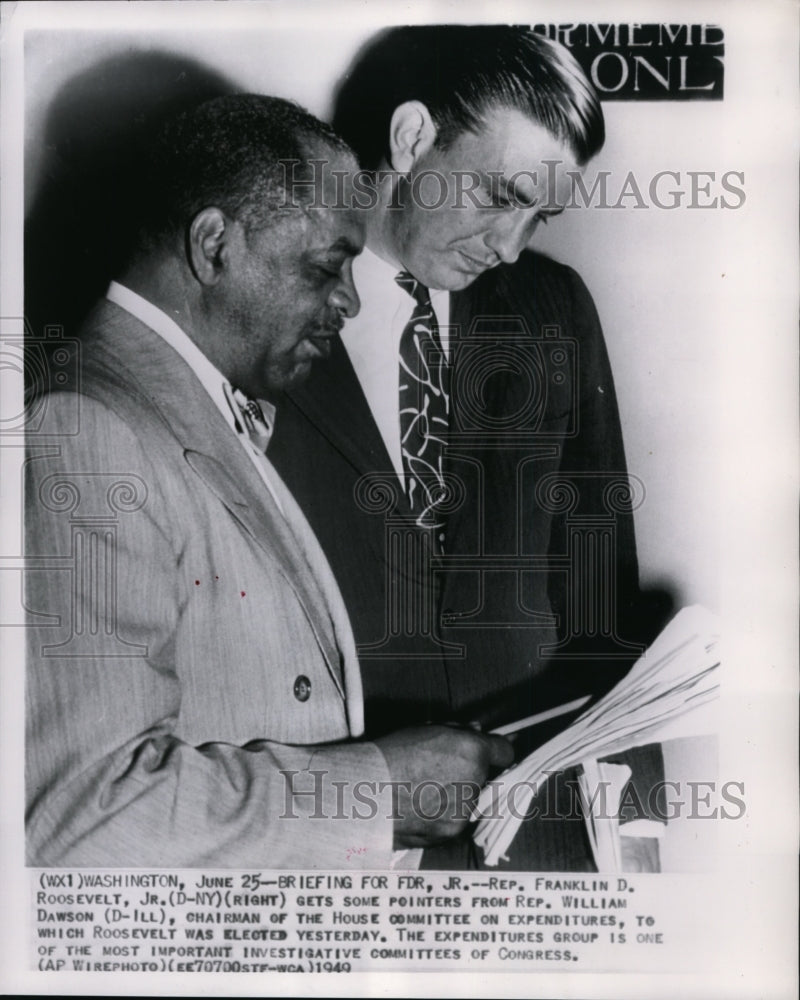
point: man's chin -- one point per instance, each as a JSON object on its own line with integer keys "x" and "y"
{"x": 299, "y": 373}
{"x": 454, "y": 279}
{"x": 289, "y": 378}
{"x": 448, "y": 280}
{"x": 463, "y": 280}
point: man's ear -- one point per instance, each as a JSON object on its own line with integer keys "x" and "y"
{"x": 411, "y": 134}
{"x": 207, "y": 245}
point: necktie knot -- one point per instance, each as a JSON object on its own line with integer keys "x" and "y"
{"x": 418, "y": 292}
{"x": 258, "y": 430}
{"x": 253, "y": 410}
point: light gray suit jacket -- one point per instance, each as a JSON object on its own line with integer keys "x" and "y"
{"x": 194, "y": 668}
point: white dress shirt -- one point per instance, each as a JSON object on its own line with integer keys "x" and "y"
{"x": 372, "y": 340}
{"x": 212, "y": 380}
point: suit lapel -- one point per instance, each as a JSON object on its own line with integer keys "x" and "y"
{"x": 332, "y": 397}
{"x": 139, "y": 357}
{"x": 334, "y": 402}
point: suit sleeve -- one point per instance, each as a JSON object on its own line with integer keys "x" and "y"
{"x": 596, "y": 452}
{"x": 599, "y": 449}
{"x": 110, "y": 782}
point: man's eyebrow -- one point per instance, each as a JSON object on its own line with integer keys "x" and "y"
{"x": 345, "y": 245}
{"x": 495, "y": 182}
{"x": 517, "y": 194}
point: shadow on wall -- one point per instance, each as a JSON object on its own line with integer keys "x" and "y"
{"x": 97, "y": 129}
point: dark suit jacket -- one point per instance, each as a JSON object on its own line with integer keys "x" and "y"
{"x": 534, "y": 600}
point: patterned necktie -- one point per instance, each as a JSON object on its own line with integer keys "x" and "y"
{"x": 424, "y": 410}
{"x": 255, "y": 426}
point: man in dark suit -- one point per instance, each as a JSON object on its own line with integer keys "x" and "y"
{"x": 460, "y": 458}
{"x": 193, "y": 692}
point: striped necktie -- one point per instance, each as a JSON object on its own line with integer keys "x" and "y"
{"x": 424, "y": 398}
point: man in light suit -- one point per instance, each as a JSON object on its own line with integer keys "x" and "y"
{"x": 193, "y": 693}
{"x": 512, "y": 585}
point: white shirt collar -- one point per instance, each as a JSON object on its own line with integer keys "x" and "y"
{"x": 212, "y": 380}
{"x": 370, "y": 268}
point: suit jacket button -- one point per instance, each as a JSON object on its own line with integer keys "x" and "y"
{"x": 302, "y": 688}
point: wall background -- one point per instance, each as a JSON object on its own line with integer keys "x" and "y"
{"x": 715, "y": 442}
{"x": 668, "y": 284}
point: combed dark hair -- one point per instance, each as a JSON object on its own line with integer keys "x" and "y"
{"x": 460, "y": 73}
{"x": 236, "y": 153}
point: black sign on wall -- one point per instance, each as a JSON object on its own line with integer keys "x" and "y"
{"x": 647, "y": 62}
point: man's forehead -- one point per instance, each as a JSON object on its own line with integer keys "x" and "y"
{"x": 514, "y": 158}
{"x": 331, "y": 164}
{"x": 504, "y": 138}
{"x": 336, "y": 230}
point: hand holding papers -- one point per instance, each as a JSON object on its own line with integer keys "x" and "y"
{"x": 676, "y": 676}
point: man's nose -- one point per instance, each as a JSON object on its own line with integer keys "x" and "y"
{"x": 344, "y": 297}
{"x": 509, "y": 235}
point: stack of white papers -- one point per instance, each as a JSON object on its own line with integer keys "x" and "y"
{"x": 677, "y": 675}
